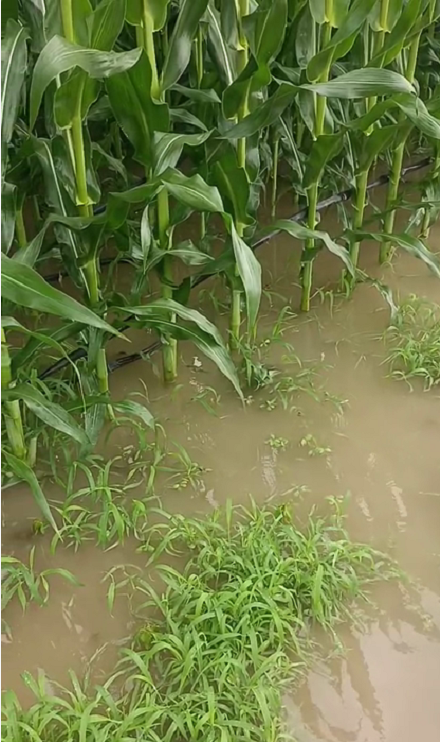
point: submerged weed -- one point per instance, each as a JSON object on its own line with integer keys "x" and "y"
{"x": 314, "y": 448}
{"x": 215, "y": 649}
{"x": 414, "y": 341}
{"x": 26, "y": 584}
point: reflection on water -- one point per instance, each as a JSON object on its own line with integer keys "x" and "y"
{"x": 386, "y": 689}
{"x": 380, "y": 444}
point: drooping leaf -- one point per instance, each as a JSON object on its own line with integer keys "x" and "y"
{"x": 202, "y": 332}
{"x": 300, "y": 232}
{"x": 192, "y": 191}
{"x": 131, "y": 408}
{"x": 414, "y": 108}
{"x": 167, "y": 148}
{"x": 48, "y": 412}
{"x": 46, "y": 338}
{"x": 23, "y": 286}
{"x": 265, "y": 114}
{"x": 363, "y": 83}
{"x": 179, "y": 50}
{"x": 14, "y": 59}
{"x": 24, "y": 473}
{"x": 59, "y": 55}
{"x": 201, "y": 95}
{"x": 323, "y": 149}
{"x": 163, "y": 307}
{"x": 134, "y": 109}
{"x": 183, "y": 116}
{"x": 232, "y": 183}
{"x": 413, "y": 245}
{"x": 249, "y": 270}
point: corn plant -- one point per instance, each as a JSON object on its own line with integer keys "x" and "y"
{"x": 121, "y": 119}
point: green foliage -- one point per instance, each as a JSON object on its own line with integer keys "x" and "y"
{"x": 228, "y": 634}
{"x": 413, "y": 341}
{"x": 206, "y": 98}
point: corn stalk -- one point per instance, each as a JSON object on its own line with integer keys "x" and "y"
{"x": 243, "y": 56}
{"x": 11, "y": 408}
{"x": 306, "y": 273}
{"x": 91, "y": 269}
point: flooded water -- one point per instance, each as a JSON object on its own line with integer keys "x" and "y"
{"x": 336, "y": 425}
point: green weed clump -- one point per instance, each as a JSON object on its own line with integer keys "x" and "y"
{"x": 414, "y": 339}
{"x": 224, "y": 639}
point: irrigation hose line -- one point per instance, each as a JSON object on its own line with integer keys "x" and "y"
{"x": 337, "y": 198}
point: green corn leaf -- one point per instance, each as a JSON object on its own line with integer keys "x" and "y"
{"x": 317, "y": 9}
{"x": 167, "y": 148}
{"x": 222, "y": 51}
{"x": 163, "y": 307}
{"x": 189, "y": 253}
{"x": 59, "y": 56}
{"x": 179, "y": 50}
{"x": 370, "y": 146}
{"x": 29, "y": 254}
{"x": 413, "y": 245}
{"x": 323, "y": 149}
{"x": 233, "y": 185}
{"x": 252, "y": 78}
{"x": 265, "y": 114}
{"x": 136, "y": 113}
{"x": 9, "y": 196}
{"x": 377, "y": 23}
{"x": 157, "y": 10}
{"x": 48, "y": 412}
{"x": 337, "y": 12}
{"x": 24, "y": 473}
{"x": 304, "y": 49}
{"x": 182, "y": 116}
{"x": 37, "y": 339}
{"x": 363, "y": 84}
{"x": 106, "y": 23}
{"x": 201, "y": 95}
{"x": 265, "y": 29}
{"x": 14, "y": 59}
{"x": 131, "y": 408}
{"x": 341, "y": 42}
{"x": 202, "y": 332}
{"x": 414, "y": 108}
{"x": 398, "y": 38}
{"x": 300, "y": 232}
{"x": 249, "y": 270}
{"x": 23, "y": 286}
{"x": 192, "y": 191}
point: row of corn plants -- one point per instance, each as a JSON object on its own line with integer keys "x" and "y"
{"x": 121, "y": 119}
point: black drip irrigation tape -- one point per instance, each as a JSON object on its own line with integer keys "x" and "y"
{"x": 125, "y": 360}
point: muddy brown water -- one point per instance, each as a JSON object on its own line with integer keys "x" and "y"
{"x": 383, "y": 441}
